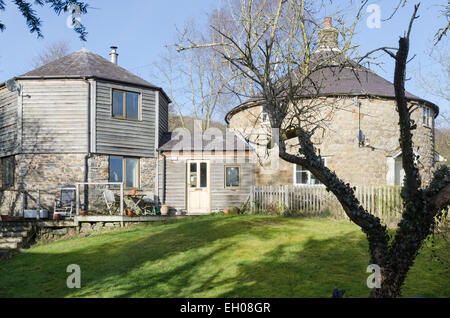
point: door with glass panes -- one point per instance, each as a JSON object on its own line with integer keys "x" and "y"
{"x": 198, "y": 186}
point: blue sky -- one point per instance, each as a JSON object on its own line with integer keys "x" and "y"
{"x": 141, "y": 29}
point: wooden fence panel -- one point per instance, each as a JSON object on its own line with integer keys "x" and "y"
{"x": 382, "y": 201}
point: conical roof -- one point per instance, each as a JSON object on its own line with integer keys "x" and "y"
{"x": 85, "y": 63}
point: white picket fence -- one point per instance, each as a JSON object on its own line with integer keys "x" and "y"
{"x": 382, "y": 201}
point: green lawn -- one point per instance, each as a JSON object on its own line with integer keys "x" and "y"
{"x": 214, "y": 256}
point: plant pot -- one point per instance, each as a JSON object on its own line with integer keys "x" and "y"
{"x": 133, "y": 192}
{"x": 165, "y": 210}
{"x": 235, "y": 210}
{"x": 130, "y": 212}
{"x": 56, "y": 216}
{"x": 83, "y": 212}
{"x": 4, "y": 218}
{"x": 226, "y": 211}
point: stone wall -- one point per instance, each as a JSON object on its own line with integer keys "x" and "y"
{"x": 49, "y": 172}
{"x": 368, "y": 165}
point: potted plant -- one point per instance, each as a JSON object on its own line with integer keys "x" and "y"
{"x": 226, "y": 211}
{"x": 56, "y": 217}
{"x": 165, "y": 210}
{"x": 235, "y": 210}
{"x": 83, "y": 210}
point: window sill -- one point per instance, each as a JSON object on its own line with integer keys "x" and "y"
{"x": 233, "y": 188}
{"x": 127, "y": 119}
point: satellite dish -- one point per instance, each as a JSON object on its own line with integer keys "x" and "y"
{"x": 361, "y": 137}
{"x": 12, "y": 86}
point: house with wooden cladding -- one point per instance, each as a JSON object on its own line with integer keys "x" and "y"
{"x": 360, "y": 142}
{"x": 83, "y": 118}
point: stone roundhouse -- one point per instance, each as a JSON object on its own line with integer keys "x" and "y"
{"x": 361, "y": 140}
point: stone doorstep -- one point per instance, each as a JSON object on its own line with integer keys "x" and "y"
{"x": 13, "y": 234}
{"x": 9, "y": 246}
{"x": 13, "y": 229}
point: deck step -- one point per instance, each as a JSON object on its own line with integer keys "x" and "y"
{"x": 14, "y": 234}
{"x": 11, "y": 240}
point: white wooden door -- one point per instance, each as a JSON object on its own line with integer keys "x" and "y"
{"x": 198, "y": 186}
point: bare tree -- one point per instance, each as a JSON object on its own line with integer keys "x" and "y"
{"x": 272, "y": 47}
{"x": 195, "y": 80}
{"x": 51, "y": 53}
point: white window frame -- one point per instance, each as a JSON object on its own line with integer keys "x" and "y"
{"x": 265, "y": 120}
{"x": 309, "y": 175}
{"x": 427, "y": 119}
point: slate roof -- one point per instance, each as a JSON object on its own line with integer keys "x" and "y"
{"x": 339, "y": 76}
{"x": 184, "y": 140}
{"x": 85, "y": 63}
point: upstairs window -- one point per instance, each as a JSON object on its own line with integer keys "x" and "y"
{"x": 124, "y": 169}
{"x": 427, "y": 120}
{"x": 8, "y": 167}
{"x": 303, "y": 176}
{"x": 125, "y": 105}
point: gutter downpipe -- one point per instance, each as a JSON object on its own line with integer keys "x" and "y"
{"x": 157, "y": 180}
{"x": 88, "y": 153}
{"x": 163, "y": 174}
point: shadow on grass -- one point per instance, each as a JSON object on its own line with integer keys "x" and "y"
{"x": 195, "y": 258}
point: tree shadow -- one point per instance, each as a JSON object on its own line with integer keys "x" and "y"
{"x": 113, "y": 258}
{"x": 198, "y": 257}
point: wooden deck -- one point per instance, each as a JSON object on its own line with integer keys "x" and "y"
{"x": 75, "y": 221}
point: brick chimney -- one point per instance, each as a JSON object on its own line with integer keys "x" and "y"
{"x": 114, "y": 54}
{"x": 328, "y": 37}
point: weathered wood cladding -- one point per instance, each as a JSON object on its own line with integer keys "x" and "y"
{"x": 163, "y": 115}
{"x": 54, "y": 116}
{"x": 221, "y": 197}
{"x": 121, "y": 136}
{"x": 8, "y": 122}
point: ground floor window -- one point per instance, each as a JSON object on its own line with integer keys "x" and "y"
{"x": 124, "y": 169}
{"x": 8, "y": 168}
{"x": 303, "y": 176}
{"x": 232, "y": 176}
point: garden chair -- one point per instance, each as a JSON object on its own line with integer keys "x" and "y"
{"x": 111, "y": 202}
{"x": 66, "y": 204}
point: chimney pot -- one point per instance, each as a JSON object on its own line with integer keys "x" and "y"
{"x": 113, "y": 54}
{"x": 327, "y": 23}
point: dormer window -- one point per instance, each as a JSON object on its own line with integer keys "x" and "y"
{"x": 427, "y": 119}
{"x": 125, "y": 105}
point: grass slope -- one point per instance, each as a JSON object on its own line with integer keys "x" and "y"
{"x": 213, "y": 256}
